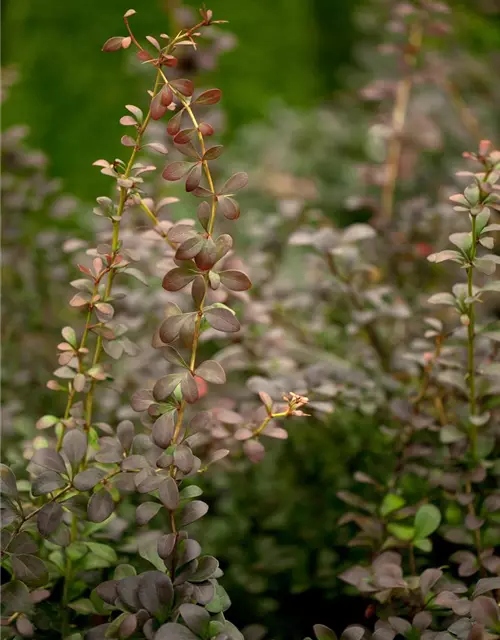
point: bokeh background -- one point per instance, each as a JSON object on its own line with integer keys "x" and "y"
{"x": 294, "y": 75}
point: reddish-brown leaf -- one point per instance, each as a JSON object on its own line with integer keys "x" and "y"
{"x": 213, "y": 152}
{"x": 184, "y": 86}
{"x": 229, "y": 208}
{"x": 158, "y": 109}
{"x": 194, "y": 178}
{"x": 176, "y": 170}
{"x": 190, "y": 248}
{"x": 224, "y": 244}
{"x": 222, "y": 319}
{"x": 113, "y": 44}
{"x": 235, "y": 280}
{"x": 211, "y": 371}
{"x": 204, "y": 214}
{"x": 207, "y": 257}
{"x": 174, "y": 124}
{"x": 235, "y": 183}
{"x": 177, "y": 279}
{"x": 184, "y": 136}
{"x": 189, "y": 388}
{"x": 211, "y": 96}
{"x": 206, "y": 129}
{"x": 169, "y": 329}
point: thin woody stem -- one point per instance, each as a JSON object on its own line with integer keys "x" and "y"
{"x": 399, "y": 115}
{"x": 115, "y": 245}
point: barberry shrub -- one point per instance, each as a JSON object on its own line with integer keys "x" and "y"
{"x": 75, "y": 566}
{"x": 446, "y": 446}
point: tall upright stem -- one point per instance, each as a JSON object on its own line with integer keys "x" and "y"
{"x": 471, "y": 372}
{"x": 399, "y": 115}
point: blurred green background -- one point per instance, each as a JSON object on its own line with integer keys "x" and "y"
{"x": 71, "y": 95}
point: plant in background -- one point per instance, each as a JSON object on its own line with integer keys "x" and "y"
{"x": 68, "y": 526}
{"x": 449, "y": 442}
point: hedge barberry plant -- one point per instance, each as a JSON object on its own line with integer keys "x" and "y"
{"x": 450, "y": 442}
{"x": 61, "y": 529}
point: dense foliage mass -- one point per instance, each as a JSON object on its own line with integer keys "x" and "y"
{"x": 385, "y": 331}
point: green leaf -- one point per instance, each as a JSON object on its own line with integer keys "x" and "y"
{"x": 148, "y": 549}
{"x": 424, "y": 545}
{"x": 84, "y": 605}
{"x": 401, "y": 531}
{"x": 324, "y": 633}
{"x": 124, "y": 571}
{"x": 391, "y": 502}
{"x": 103, "y": 551}
{"x": 220, "y": 601}
{"x": 427, "y": 520}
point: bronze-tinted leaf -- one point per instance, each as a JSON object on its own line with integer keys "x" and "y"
{"x": 179, "y": 233}
{"x": 194, "y": 178}
{"x": 205, "y": 129}
{"x": 107, "y": 591}
{"x": 169, "y": 493}
{"x": 184, "y": 136}
{"x": 198, "y": 291}
{"x": 174, "y": 124}
{"x": 74, "y": 446}
{"x": 204, "y": 214}
{"x": 211, "y": 96}
{"x": 211, "y": 371}
{"x": 146, "y": 511}
{"x": 224, "y": 244}
{"x": 229, "y": 208}
{"x": 213, "y": 152}
{"x": 176, "y": 170}
{"x": 47, "y": 482}
{"x": 235, "y": 183}
{"x": 235, "y": 280}
{"x": 196, "y": 618}
{"x": 169, "y": 329}
{"x": 222, "y": 320}
{"x": 49, "y": 518}
{"x": 207, "y": 256}
{"x": 190, "y": 248}
{"x": 166, "y": 545}
{"x": 189, "y": 388}
{"x": 207, "y": 566}
{"x": 155, "y": 591}
{"x": 166, "y": 385}
{"x": 163, "y": 430}
{"x": 88, "y": 478}
{"x": 193, "y": 511}
{"x": 113, "y": 44}
{"x": 157, "y": 108}
{"x": 100, "y": 506}
{"x": 177, "y": 279}
{"x": 166, "y": 96}
{"x": 128, "y": 589}
{"x": 254, "y": 450}
{"x": 174, "y": 631}
{"x": 15, "y": 598}
{"x": 141, "y": 400}
{"x": 183, "y": 458}
{"x": 128, "y": 626}
{"x": 8, "y": 483}
{"x": 30, "y": 570}
{"x": 49, "y": 459}
{"x": 184, "y": 86}
{"x": 125, "y": 432}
